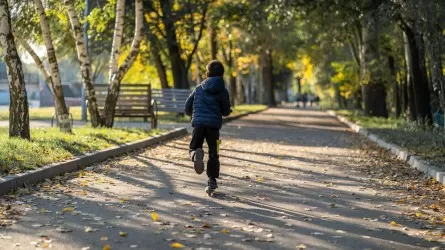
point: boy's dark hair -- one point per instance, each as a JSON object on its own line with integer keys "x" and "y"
{"x": 215, "y": 68}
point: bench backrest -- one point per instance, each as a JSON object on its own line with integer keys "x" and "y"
{"x": 170, "y": 100}
{"x": 134, "y": 99}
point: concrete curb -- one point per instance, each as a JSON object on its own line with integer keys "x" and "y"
{"x": 13, "y": 182}
{"x": 414, "y": 161}
{"x": 231, "y": 118}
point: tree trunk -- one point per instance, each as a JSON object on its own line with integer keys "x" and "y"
{"x": 117, "y": 39}
{"x": 113, "y": 89}
{"x": 85, "y": 66}
{"x": 61, "y": 109}
{"x": 396, "y": 96}
{"x": 213, "y": 43}
{"x": 298, "y": 84}
{"x": 158, "y": 61}
{"x": 232, "y": 88}
{"x": 198, "y": 70}
{"x": 435, "y": 63}
{"x": 267, "y": 73}
{"x": 37, "y": 61}
{"x": 417, "y": 71}
{"x": 179, "y": 70}
{"x": 18, "y": 107}
{"x": 374, "y": 93}
{"x": 404, "y": 94}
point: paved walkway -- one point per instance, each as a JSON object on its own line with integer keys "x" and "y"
{"x": 291, "y": 179}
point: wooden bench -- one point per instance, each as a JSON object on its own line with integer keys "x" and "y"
{"x": 135, "y": 100}
{"x": 170, "y": 100}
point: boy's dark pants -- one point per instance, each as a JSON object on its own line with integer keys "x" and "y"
{"x": 211, "y": 135}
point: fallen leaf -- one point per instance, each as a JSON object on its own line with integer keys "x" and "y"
{"x": 225, "y": 231}
{"x": 154, "y": 216}
{"x": 395, "y": 224}
{"x": 90, "y": 229}
{"x": 122, "y": 234}
{"x": 317, "y": 233}
{"x": 67, "y": 209}
{"x": 418, "y": 214}
{"x": 301, "y": 247}
{"x": 177, "y": 245}
{"x": 104, "y": 238}
{"x": 107, "y": 247}
{"x": 261, "y": 179}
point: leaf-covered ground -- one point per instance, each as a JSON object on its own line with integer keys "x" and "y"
{"x": 291, "y": 179}
{"x": 428, "y": 143}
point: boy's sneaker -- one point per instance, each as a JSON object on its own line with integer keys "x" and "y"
{"x": 212, "y": 184}
{"x": 198, "y": 159}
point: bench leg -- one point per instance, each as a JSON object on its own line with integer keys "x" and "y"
{"x": 154, "y": 122}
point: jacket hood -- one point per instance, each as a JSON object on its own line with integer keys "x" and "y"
{"x": 213, "y": 85}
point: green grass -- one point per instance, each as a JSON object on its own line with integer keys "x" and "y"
{"x": 50, "y": 146}
{"x": 164, "y": 117}
{"x": 426, "y": 142}
{"x": 42, "y": 113}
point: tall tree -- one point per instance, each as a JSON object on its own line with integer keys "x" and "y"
{"x": 181, "y": 25}
{"x": 61, "y": 108}
{"x": 18, "y": 107}
{"x": 117, "y": 76}
{"x": 84, "y": 61}
{"x": 374, "y": 92}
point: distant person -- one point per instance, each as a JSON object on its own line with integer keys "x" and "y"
{"x": 208, "y": 103}
{"x": 317, "y": 100}
{"x": 304, "y": 100}
{"x": 298, "y": 99}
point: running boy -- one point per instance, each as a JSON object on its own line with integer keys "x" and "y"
{"x": 208, "y": 103}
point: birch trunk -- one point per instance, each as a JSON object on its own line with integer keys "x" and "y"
{"x": 85, "y": 65}
{"x": 61, "y": 109}
{"x": 113, "y": 90}
{"x": 18, "y": 107}
{"x": 117, "y": 39}
{"x": 37, "y": 61}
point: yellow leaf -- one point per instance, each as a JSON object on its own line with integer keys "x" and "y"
{"x": 84, "y": 192}
{"x": 419, "y": 214}
{"x": 67, "y": 209}
{"x": 261, "y": 179}
{"x": 154, "y": 216}
{"x": 402, "y": 201}
{"x": 177, "y": 245}
{"x": 225, "y": 231}
{"x": 393, "y": 223}
{"x": 122, "y": 234}
{"x": 107, "y": 247}
{"x": 122, "y": 201}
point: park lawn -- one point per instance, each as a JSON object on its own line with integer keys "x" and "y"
{"x": 49, "y": 145}
{"x": 42, "y": 113}
{"x": 429, "y": 143}
{"x": 164, "y": 117}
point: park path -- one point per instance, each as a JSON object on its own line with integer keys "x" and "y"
{"x": 291, "y": 179}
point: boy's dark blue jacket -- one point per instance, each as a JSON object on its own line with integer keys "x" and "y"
{"x": 208, "y": 103}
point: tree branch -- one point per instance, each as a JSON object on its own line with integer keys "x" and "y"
{"x": 190, "y": 56}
